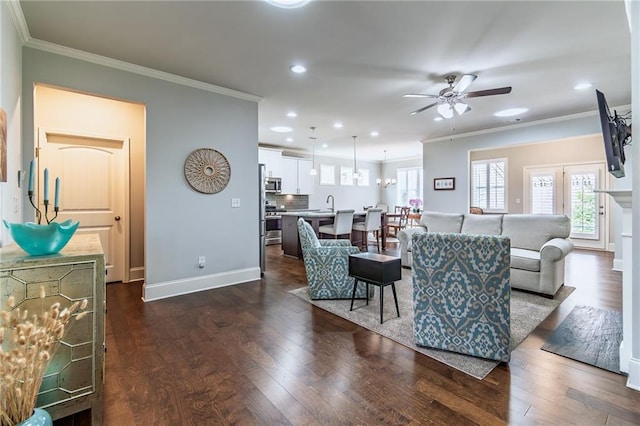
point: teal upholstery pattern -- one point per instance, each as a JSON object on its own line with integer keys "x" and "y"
{"x": 326, "y": 263}
{"x": 461, "y": 293}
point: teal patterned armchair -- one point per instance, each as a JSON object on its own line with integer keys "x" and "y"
{"x": 461, "y": 293}
{"x": 327, "y": 265}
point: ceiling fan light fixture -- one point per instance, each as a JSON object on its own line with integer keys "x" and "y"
{"x": 461, "y": 107}
{"x": 445, "y": 110}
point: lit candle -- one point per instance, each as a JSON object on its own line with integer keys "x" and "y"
{"x": 31, "y": 176}
{"x": 57, "y": 197}
{"x": 46, "y": 185}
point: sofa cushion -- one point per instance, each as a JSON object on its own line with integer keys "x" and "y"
{"x": 531, "y": 231}
{"x": 482, "y": 224}
{"x": 442, "y": 222}
{"x": 528, "y": 260}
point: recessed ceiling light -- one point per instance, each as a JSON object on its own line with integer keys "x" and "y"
{"x": 289, "y": 140}
{"x": 374, "y": 133}
{"x": 582, "y": 86}
{"x": 298, "y": 69}
{"x": 324, "y": 145}
{"x": 338, "y": 125}
{"x": 292, "y": 114}
{"x": 281, "y": 129}
{"x": 288, "y": 4}
{"x": 438, "y": 119}
{"x": 511, "y": 112}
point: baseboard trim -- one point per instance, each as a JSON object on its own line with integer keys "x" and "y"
{"x": 633, "y": 380}
{"x": 163, "y": 290}
{"x": 136, "y": 274}
{"x": 617, "y": 265}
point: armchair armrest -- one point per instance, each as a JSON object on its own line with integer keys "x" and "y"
{"x": 335, "y": 243}
{"x": 405, "y": 235}
{"x": 556, "y": 249}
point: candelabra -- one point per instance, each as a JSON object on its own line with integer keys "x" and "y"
{"x": 46, "y": 210}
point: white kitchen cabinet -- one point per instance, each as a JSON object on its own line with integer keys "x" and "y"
{"x": 296, "y": 176}
{"x": 272, "y": 159}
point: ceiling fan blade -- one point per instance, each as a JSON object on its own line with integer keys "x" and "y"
{"x": 464, "y": 82}
{"x": 423, "y": 108}
{"x": 418, "y": 95}
{"x": 489, "y": 92}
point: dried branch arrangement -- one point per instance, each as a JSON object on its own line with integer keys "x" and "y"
{"x": 27, "y": 344}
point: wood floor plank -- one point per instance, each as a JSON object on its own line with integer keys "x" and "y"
{"x": 253, "y": 354}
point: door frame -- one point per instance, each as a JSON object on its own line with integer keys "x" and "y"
{"x": 44, "y": 132}
{"x": 605, "y": 182}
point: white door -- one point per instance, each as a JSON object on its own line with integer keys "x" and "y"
{"x": 585, "y": 207}
{"x": 94, "y": 181}
{"x": 568, "y": 189}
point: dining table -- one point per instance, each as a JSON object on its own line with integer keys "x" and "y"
{"x": 316, "y": 218}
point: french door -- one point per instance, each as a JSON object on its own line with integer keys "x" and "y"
{"x": 569, "y": 190}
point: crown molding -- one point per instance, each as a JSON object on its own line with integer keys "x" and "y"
{"x": 18, "y": 20}
{"x": 137, "y": 69}
{"x": 26, "y": 40}
{"x": 519, "y": 125}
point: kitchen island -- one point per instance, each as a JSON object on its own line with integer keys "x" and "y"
{"x": 291, "y": 242}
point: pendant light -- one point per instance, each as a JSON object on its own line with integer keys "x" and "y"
{"x": 356, "y": 175}
{"x": 313, "y": 171}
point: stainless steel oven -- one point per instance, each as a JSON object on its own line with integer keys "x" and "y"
{"x": 273, "y": 225}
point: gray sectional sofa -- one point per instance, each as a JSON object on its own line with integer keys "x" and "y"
{"x": 539, "y": 243}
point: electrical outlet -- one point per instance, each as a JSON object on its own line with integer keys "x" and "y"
{"x": 235, "y": 202}
{"x": 201, "y": 262}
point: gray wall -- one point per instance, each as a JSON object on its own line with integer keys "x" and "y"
{"x": 450, "y": 158}
{"x": 11, "y": 196}
{"x": 346, "y": 197}
{"x": 181, "y": 224}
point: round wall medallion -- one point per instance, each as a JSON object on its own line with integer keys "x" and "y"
{"x": 207, "y": 170}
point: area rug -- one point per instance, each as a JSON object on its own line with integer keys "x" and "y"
{"x": 527, "y": 311}
{"x": 590, "y": 335}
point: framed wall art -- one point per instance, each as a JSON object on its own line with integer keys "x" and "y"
{"x": 346, "y": 176}
{"x": 444, "y": 184}
{"x": 327, "y": 174}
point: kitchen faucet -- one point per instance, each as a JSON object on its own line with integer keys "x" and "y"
{"x": 332, "y": 202}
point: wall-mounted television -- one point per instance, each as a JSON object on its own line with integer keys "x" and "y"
{"x": 615, "y": 133}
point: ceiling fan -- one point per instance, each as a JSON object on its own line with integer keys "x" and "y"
{"x": 451, "y": 98}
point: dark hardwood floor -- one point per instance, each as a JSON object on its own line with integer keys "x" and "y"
{"x": 254, "y": 354}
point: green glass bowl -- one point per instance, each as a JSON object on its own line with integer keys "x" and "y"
{"x": 39, "y": 240}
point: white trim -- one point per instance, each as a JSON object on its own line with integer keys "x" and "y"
{"x": 518, "y": 125}
{"x": 18, "y": 20}
{"x": 136, "y": 274}
{"x": 173, "y": 288}
{"x": 136, "y": 69}
{"x": 617, "y": 265}
{"x": 633, "y": 381}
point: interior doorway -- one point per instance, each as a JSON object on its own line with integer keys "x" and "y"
{"x": 96, "y": 146}
{"x": 569, "y": 189}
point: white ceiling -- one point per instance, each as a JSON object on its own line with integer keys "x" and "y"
{"x": 361, "y": 57}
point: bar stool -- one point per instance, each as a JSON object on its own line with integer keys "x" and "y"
{"x": 342, "y": 223}
{"x": 372, "y": 223}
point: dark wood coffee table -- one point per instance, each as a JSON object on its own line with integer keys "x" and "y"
{"x": 376, "y": 269}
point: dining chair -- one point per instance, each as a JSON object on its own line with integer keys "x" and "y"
{"x": 372, "y": 223}
{"x": 342, "y": 223}
{"x": 398, "y": 220}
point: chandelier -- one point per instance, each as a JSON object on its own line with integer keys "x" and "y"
{"x": 387, "y": 181}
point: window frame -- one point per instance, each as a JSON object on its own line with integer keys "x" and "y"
{"x": 472, "y": 186}
{"x": 419, "y": 181}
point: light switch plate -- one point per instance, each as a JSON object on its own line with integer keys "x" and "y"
{"x": 235, "y": 202}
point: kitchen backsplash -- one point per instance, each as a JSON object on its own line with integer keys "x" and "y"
{"x": 290, "y": 202}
